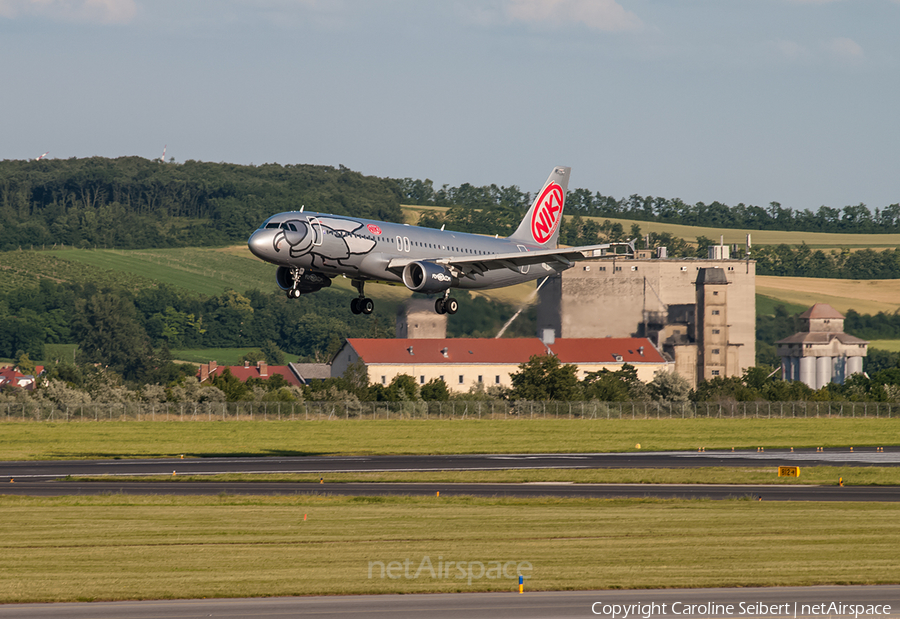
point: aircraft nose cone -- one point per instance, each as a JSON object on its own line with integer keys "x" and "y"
{"x": 260, "y": 244}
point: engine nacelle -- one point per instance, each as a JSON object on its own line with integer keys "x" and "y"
{"x": 427, "y": 277}
{"x": 310, "y": 281}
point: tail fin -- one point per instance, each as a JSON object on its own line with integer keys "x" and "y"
{"x": 543, "y": 219}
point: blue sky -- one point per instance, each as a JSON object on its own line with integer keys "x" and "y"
{"x": 751, "y": 101}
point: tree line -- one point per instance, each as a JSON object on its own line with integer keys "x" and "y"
{"x": 852, "y": 218}
{"x": 803, "y": 261}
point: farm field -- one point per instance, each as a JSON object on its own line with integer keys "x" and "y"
{"x": 816, "y": 240}
{"x": 864, "y": 296}
{"x": 202, "y": 439}
{"x": 889, "y": 345}
{"x": 202, "y": 270}
{"x": 114, "y": 547}
{"x": 207, "y": 271}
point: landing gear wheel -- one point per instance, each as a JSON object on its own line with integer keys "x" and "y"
{"x": 451, "y": 305}
{"x": 366, "y": 306}
{"x": 439, "y": 307}
{"x": 293, "y": 293}
{"x": 354, "y": 306}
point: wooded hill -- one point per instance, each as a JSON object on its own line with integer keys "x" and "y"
{"x": 132, "y": 202}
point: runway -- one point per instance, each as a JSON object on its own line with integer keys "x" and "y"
{"x": 50, "y": 469}
{"x": 49, "y": 478}
{"x": 743, "y": 603}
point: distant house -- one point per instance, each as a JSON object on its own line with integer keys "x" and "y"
{"x": 294, "y": 373}
{"x": 12, "y": 377}
{"x": 465, "y": 362}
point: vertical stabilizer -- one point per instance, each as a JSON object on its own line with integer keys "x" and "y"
{"x": 544, "y": 218}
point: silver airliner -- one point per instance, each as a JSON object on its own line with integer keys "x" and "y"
{"x": 310, "y": 249}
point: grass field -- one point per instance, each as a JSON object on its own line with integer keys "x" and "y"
{"x": 890, "y": 345}
{"x": 135, "y": 439}
{"x": 816, "y": 475}
{"x": 765, "y": 306}
{"x": 864, "y": 296}
{"x": 816, "y": 240}
{"x": 223, "y": 356}
{"x": 124, "y": 547}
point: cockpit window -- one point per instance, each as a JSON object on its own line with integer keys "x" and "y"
{"x": 272, "y": 225}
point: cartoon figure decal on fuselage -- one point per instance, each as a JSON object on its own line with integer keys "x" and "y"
{"x": 325, "y": 238}
{"x": 311, "y": 248}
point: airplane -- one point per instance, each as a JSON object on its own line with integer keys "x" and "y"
{"x": 42, "y": 156}
{"x": 310, "y": 249}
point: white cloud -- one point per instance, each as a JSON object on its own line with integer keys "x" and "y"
{"x": 845, "y": 50}
{"x": 605, "y": 15}
{"x": 94, "y": 11}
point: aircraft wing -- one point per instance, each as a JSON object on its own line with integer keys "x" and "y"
{"x": 478, "y": 265}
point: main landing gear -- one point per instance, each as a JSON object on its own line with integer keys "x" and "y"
{"x": 446, "y": 304}
{"x": 361, "y": 304}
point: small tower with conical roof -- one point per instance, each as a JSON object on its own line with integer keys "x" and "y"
{"x": 822, "y": 352}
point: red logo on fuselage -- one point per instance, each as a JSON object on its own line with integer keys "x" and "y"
{"x": 374, "y": 229}
{"x": 548, "y": 213}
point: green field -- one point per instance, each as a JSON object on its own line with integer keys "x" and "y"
{"x": 115, "y": 547}
{"x": 816, "y": 475}
{"x": 147, "y": 439}
{"x": 765, "y": 305}
{"x": 890, "y": 345}
{"x": 206, "y": 271}
{"x": 222, "y": 356}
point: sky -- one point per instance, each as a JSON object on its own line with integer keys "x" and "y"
{"x": 740, "y": 101}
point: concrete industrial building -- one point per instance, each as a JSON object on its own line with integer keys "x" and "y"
{"x": 659, "y": 298}
{"x": 821, "y": 353}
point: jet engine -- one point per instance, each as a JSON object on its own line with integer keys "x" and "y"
{"x": 427, "y": 277}
{"x": 310, "y": 281}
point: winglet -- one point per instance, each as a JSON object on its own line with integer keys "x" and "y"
{"x": 544, "y": 218}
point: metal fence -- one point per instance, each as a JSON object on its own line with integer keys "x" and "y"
{"x": 311, "y": 411}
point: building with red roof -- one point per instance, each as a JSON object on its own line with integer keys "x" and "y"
{"x": 466, "y": 362}
{"x": 294, "y": 373}
{"x": 12, "y": 377}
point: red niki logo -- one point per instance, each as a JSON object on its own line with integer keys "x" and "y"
{"x": 548, "y": 213}
{"x": 374, "y": 229}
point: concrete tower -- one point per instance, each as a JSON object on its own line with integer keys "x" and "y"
{"x": 417, "y": 319}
